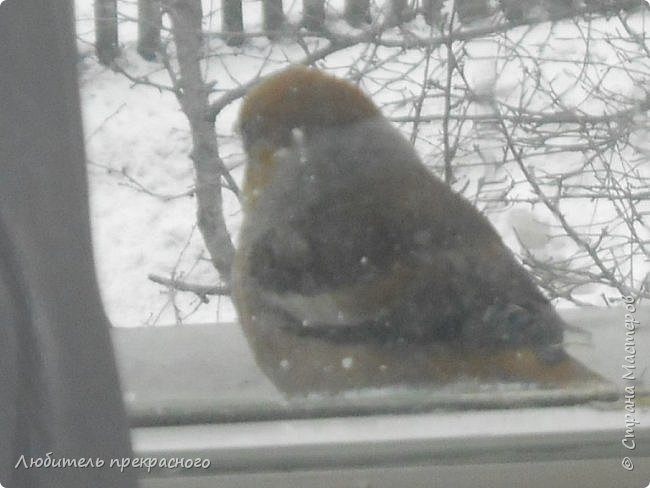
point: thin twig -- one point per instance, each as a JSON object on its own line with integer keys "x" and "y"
{"x": 202, "y": 291}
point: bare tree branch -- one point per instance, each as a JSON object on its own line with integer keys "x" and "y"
{"x": 186, "y": 20}
{"x": 201, "y": 291}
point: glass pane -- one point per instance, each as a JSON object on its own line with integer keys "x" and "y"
{"x": 408, "y": 212}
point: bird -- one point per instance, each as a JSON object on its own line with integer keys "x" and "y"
{"x": 358, "y": 268}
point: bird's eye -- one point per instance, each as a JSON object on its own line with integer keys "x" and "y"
{"x": 251, "y": 130}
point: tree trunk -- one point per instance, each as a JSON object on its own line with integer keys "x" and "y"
{"x": 149, "y": 25}
{"x": 233, "y": 22}
{"x": 106, "y": 40}
{"x": 186, "y": 28}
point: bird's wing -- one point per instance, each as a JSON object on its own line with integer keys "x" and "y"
{"x": 334, "y": 262}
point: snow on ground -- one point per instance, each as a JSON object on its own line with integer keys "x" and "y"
{"x": 137, "y": 136}
{"x": 140, "y": 173}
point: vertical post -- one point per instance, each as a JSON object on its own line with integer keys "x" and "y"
{"x": 513, "y": 10}
{"x": 106, "y": 40}
{"x": 357, "y": 12}
{"x": 399, "y": 10}
{"x": 313, "y": 17}
{"x": 469, "y": 10}
{"x": 149, "y": 25}
{"x": 273, "y": 17}
{"x": 431, "y": 11}
{"x": 233, "y": 22}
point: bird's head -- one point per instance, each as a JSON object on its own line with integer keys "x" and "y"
{"x": 299, "y": 98}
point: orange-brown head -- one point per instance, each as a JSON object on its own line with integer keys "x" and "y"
{"x": 300, "y": 98}
{"x": 296, "y": 98}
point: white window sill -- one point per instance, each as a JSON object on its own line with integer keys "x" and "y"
{"x": 195, "y": 392}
